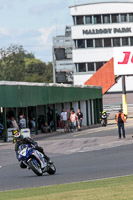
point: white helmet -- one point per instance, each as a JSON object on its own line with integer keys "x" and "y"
{"x": 17, "y": 135}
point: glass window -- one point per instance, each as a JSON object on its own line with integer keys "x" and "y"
{"x": 75, "y": 44}
{"x": 131, "y": 41}
{"x": 81, "y": 43}
{"x": 90, "y": 66}
{"x": 98, "y": 42}
{"x": 90, "y": 43}
{"x": 88, "y": 19}
{"x": 97, "y": 19}
{"x": 82, "y": 67}
{"x": 106, "y": 19}
{"x": 115, "y": 18}
{"x": 125, "y": 41}
{"x": 116, "y": 42}
{"x": 74, "y": 20}
{"x": 76, "y": 67}
{"x": 107, "y": 42}
{"x": 80, "y": 20}
{"x": 123, "y": 17}
{"x": 99, "y": 65}
{"x": 131, "y": 17}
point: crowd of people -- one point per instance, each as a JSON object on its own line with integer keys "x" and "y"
{"x": 70, "y": 120}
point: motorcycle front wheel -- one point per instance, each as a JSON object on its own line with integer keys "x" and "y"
{"x": 35, "y": 166}
{"x": 51, "y": 170}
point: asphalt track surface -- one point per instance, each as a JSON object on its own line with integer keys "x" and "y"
{"x": 87, "y": 155}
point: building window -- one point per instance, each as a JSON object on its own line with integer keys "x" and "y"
{"x": 115, "y": 18}
{"x": 131, "y": 17}
{"x": 123, "y": 17}
{"x": 106, "y": 19}
{"x": 116, "y": 42}
{"x": 74, "y": 18}
{"x": 97, "y": 19}
{"x": 82, "y": 67}
{"x": 81, "y": 43}
{"x": 90, "y": 43}
{"x": 131, "y": 41}
{"x": 99, "y": 65}
{"x": 76, "y": 66}
{"x": 80, "y": 20}
{"x": 98, "y": 42}
{"x": 125, "y": 41}
{"x": 107, "y": 42}
{"x": 88, "y": 19}
{"x": 90, "y": 66}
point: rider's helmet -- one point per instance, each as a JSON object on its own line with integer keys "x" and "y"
{"x": 18, "y": 136}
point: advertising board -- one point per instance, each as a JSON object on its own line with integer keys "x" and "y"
{"x": 123, "y": 61}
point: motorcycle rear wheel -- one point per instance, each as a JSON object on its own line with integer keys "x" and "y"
{"x": 35, "y": 168}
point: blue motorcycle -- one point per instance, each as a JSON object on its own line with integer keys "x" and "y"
{"x": 35, "y": 160}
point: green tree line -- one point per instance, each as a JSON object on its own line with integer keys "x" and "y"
{"x": 16, "y": 64}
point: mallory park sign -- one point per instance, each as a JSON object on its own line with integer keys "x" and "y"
{"x": 107, "y": 31}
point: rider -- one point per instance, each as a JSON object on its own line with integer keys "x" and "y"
{"x": 21, "y": 140}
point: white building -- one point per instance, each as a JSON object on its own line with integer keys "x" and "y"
{"x": 63, "y": 67}
{"x": 97, "y": 29}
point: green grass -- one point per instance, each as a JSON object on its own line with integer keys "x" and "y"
{"x": 108, "y": 189}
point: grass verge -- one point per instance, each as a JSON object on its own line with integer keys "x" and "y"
{"x": 108, "y": 189}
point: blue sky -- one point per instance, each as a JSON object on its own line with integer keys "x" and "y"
{"x": 33, "y": 23}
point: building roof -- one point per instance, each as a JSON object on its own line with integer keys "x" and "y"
{"x": 102, "y": 2}
{"x": 24, "y": 94}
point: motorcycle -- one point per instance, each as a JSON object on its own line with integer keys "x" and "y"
{"x": 103, "y": 119}
{"x": 34, "y": 160}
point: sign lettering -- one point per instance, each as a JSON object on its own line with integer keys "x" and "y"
{"x": 107, "y": 31}
{"x": 126, "y": 58}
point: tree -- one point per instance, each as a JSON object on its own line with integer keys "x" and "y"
{"x": 16, "y": 64}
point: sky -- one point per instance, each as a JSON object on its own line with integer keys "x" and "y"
{"x": 34, "y": 23}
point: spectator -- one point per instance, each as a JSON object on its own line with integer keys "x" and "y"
{"x": 120, "y": 119}
{"x": 79, "y": 117}
{"x": 45, "y": 128}
{"x": 32, "y": 124}
{"x": 9, "y": 123}
{"x": 68, "y": 126}
{"x": 14, "y": 123}
{"x": 1, "y": 129}
{"x": 22, "y": 122}
{"x": 73, "y": 119}
{"x": 64, "y": 119}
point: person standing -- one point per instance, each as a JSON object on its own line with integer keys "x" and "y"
{"x": 120, "y": 119}
{"x": 73, "y": 119}
{"x": 80, "y": 117}
{"x": 22, "y": 122}
{"x": 14, "y": 123}
{"x": 64, "y": 119}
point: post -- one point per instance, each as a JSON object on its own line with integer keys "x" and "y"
{"x": 54, "y": 117}
{"x": 26, "y": 116}
{"x": 87, "y": 116}
{"x": 124, "y": 100}
{"x": 45, "y": 113}
{"x": 5, "y": 125}
{"x": 36, "y": 121}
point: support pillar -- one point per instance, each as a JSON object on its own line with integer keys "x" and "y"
{"x": 5, "y": 125}
{"x": 45, "y": 113}
{"x": 36, "y": 121}
{"x": 54, "y": 117}
{"x": 26, "y": 116}
{"x": 124, "y": 100}
{"x": 87, "y": 115}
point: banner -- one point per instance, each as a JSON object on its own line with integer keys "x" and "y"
{"x": 123, "y": 61}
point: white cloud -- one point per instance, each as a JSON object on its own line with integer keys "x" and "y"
{"x": 4, "y": 31}
{"x": 45, "y": 34}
